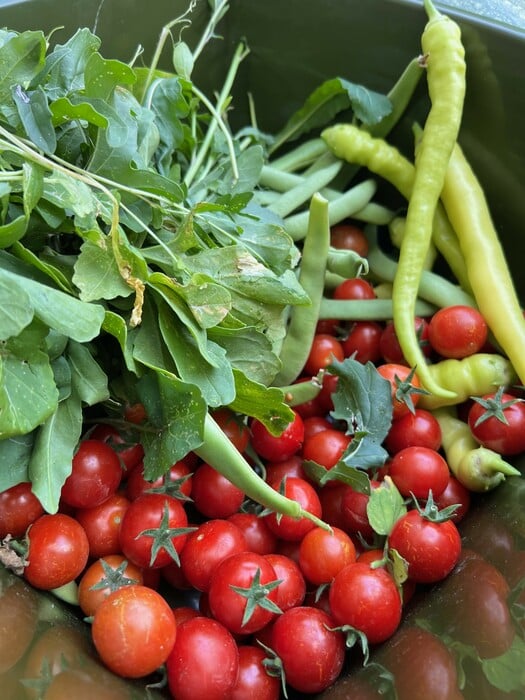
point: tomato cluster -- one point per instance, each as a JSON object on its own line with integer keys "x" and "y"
{"x": 260, "y": 585}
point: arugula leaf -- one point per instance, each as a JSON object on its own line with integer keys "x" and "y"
{"x": 21, "y": 59}
{"x": 15, "y": 454}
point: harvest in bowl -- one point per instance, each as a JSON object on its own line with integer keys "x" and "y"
{"x": 262, "y": 364}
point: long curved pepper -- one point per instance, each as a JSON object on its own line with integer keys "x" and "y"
{"x": 444, "y": 56}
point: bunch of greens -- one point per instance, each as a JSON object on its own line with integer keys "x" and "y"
{"x": 135, "y": 262}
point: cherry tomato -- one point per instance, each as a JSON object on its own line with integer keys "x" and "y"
{"x": 213, "y": 494}
{"x": 322, "y": 554}
{"x": 96, "y": 474}
{"x": 148, "y": 518}
{"x": 238, "y": 580}
{"x": 326, "y": 447}
{"x": 347, "y": 236}
{"x": 253, "y": 681}
{"x": 430, "y": 548}
{"x": 354, "y": 511}
{"x": 315, "y": 424}
{"x": 233, "y": 426}
{"x": 457, "y": 331}
{"x": 292, "y": 589}
{"x": 280, "y": 447}
{"x": 133, "y": 631}
{"x": 102, "y": 577}
{"x": 135, "y": 413}
{"x": 204, "y": 662}
{"x": 130, "y": 451}
{"x": 367, "y": 599}
{"x": 390, "y": 348}
{"x": 58, "y": 551}
{"x": 258, "y": 536}
{"x": 405, "y": 386}
{"x": 176, "y": 482}
{"x": 102, "y": 525}
{"x": 311, "y": 652}
{"x": 455, "y": 493}
{"x": 19, "y": 507}
{"x": 420, "y": 429}
{"x": 499, "y": 423}
{"x": 293, "y": 466}
{"x": 323, "y": 350}
{"x": 362, "y": 341}
{"x": 286, "y": 527}
{"x": 212, "y": 541}
{"x": 355, "y": 288}
{"x": 419, "y": 470}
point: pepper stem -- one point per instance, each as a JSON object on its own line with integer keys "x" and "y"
{"x": 431, "y": 10}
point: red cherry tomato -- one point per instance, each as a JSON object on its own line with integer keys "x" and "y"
{"x": 457, "y": 331}
{"x": 213, "y": 495}
{"x": 323, "y": 554}
{"x": 19, "y": 507}
{"x": 96, "y": 474}
{"x": 420, "y": 428}
{"x": 417, "y": 471}
{"x": 102, "y": 525}
{"x": 323, "y": 350}
{"x": 280, "y": 447}
{"x": 347, "y": 236}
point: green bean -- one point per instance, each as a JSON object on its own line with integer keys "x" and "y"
{"x": 366, "y": 309}
{"x": 301, "y": 156}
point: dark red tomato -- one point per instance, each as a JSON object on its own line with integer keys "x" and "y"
{"x": 153, "y": 530}
{"x": 293, "y": 466}
{"x": 422, "y": 666}
{"x": 323, "y": 350}
{"x": 419, "y": 470}
{"x": 259, "y": 538}
{"x": 405, "y": 387}
{"x": 356, "y": 288}
{"x": 130, "y": 451}
{"x": 177, "y": 482}
{"x": 347, "y": 236}
{"x": 507, "y": 436}
{"x": 213, "y": 495}
{"x": 96, "y": 474}
{"x": 204, "y": 662}
{"x": 390, "y": 348}
{"x": 91, "y": 681}
{"x": 322, "y": 554}
{"x": 292, "y": 589}
{"x": 354, "y": 511}
{"x": 328, "y": 325}
{"x": 233, "y": 426}
{"x": 213, "y": 541}
{"x": 457, "y": 331}
{"x": 363, "y": 341}
{"x": 367, "y": 599}
{"x": 236, "y": 580}
{"x": 457, "y": 494}
{"x": 172, "y": 573}
{"x": 418, "y": 429}
{"x": 134, "y": 631}
{"x": 277, "y": 448}
{"x": 18, "y": 620}
{"x": 102, "y": 577}
{"x": 102, "y": 525}
{"x": 326, "y": 447}
{"x": 431, "y": 549}
{"x": 19, "y": 507}
{"x": 284, "y": 526}
{"x": 253, "y": 681}
{"x": 324, "y": 397}
{"x": 58, "y": 551}
{"x": 331, "y": 501}
{"x": 312, "y": 653}
{"x": 315, "y": 424}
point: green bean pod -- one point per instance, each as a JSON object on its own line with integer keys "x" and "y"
{"x": 477, "y": 468}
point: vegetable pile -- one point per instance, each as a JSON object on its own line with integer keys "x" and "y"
{"x": 229, "y": 374}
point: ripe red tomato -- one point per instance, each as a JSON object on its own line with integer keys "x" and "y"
{"x": 419, "y": 470}
{"x": 19, "y": 507}
{"x": 102, "y": 525}
{"x": 96, "y": 474}
{"x": 134, "y": 631}
{"x": 18, "y": 620}
{"x": 430, "y": 548}
{"x": 176, "y": 482}
{"x": 130, "y": 451}
{"x": 420, "y": 428}
{"x": 367, "y": 599}
{"x": 362, "y": 341}
{"x": 284, "y": 526}
{"x": 259, "y": 538}
{"x": 347, "y": 236}
{"x": 253, "y": 680}
{"x": 390, "y": 348}
{"x": 354, "y": 288}
{"x": 323, "y": 350}
{"x": 153, "y": 530}
{"x": 213, "y": 495}
{"x": 354, "y": 511}
{"x": 233, "y": 426}
{"x": 405, "y": 386}
{"x": 204, "y": 662}
{"x": 323, "y": 554}
{"x": 239, "y": 594}
{"x": 280, "y": 447}
{"x": 326, "y": 447}
{"x": 102, "y": 577}
{"x": 312, "y": 653}
{"x": 498, "y": 423}
{"x": 58, "y": 551}
{"x": 457, "y": 331}
{"x": 457, "y": 494}
{"x": 212, "y": 541}
{"x": 292, "y": 589}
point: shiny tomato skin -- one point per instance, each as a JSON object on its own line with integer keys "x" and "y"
{"x": 177, "y": 482}
{"x": 228, "y": 605}
{"x": 391, "y": 349}
{"x": 285, "y": 527}
{"x": 312, "y": 653}
{"x": 419, "y": 470}
{"x": 457, "y": 331}
{"x": 96, "y": 474}
{"x": 134, "y": 631}
{"x": 323, "y": 554}
{"x": 233, "y": 426}
{"x": 367, "y": 599}
{"x": 348, "y": 236}
{"x": 418, "y": 429}
{"x": 204, "y": 661}
{"x": 280, "y": 447}
{"x": 58, "y": 551}
{"x": 457, "y": 494}
{"x": 506, "y": 437}
{"x": 292, "y": 589}
{"x": 323, "y": 350}
{"x": 326, "y": 447}
{"x": 362, "y": 341}
{"x": 354, "y": 511}
{"x": 431, "y": 549}
{"x": 398, "y": 375}
{"x": 147, "y": 513}
{"x": 102, "y": 525}
{"x": 253, "y": 681}
{"x": 130, "y": 452}
{"x": 258, "y": 536}
{"x": 213, "y": 495}
{"x": 19, "y": 508}
{"x": 90, "y": 594}
{"x": 354, "y": 288}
